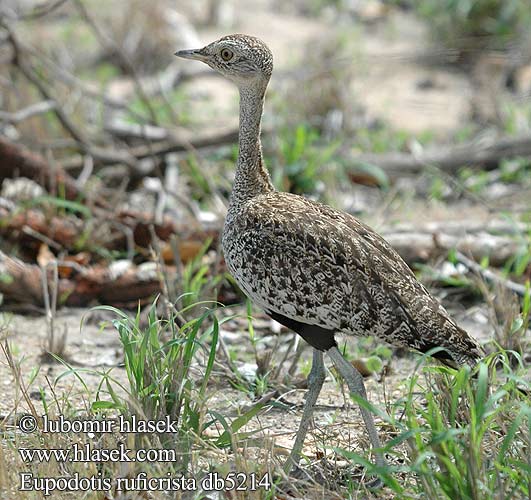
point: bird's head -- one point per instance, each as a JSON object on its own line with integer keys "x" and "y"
{"x": 244, "y": 59}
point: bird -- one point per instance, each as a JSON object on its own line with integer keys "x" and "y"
{"x": 315, "y": 269}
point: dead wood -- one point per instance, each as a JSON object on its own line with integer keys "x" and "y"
{"x": 190, "y": 239}
{"x": 20, "y": 282}
{"x": 136, "y": 284}
{"x": 485, "y": 154}
{"x": 30, "y": 227}
{"x": 125, "y": 130}
{"x": 16, "y": 161}
{"x": 118, "y": 285}
{"x": 104, "y": 155}
{"x": 28, "y": 112}
{"x": 157, "y": 149}
{"x": 124, "y": 284}
{"x": 464, "y": 226}
{"x": 123, "y": 230}
{"x": 422, "y": 247}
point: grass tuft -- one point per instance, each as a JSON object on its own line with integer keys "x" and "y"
{"x": 458, "y": 434}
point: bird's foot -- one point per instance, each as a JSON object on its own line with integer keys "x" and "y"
{"x": 374, "y": 483}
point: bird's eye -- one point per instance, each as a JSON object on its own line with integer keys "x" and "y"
{"x": 226, "y": 54}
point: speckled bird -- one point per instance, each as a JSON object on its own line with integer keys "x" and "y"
{"x": 317, "y": 270}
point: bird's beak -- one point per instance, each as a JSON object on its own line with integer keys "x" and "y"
{"x": 191, "y": 54}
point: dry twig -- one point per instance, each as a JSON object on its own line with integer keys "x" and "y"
{"x": 490, "y": 275}
{"x": 28, "y": 112}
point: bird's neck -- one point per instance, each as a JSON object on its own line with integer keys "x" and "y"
{"x": 252, "y": 178}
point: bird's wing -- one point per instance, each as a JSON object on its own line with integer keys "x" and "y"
{"x": 316, "y": 264}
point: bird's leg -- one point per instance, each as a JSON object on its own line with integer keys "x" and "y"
{"x": 315, "y": 383}
{"x": 355, "y": 384}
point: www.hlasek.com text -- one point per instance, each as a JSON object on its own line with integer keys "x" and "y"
{"x": 86, "y": 453}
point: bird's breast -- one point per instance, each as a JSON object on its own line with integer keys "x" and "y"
{"x": 281, "y": 274}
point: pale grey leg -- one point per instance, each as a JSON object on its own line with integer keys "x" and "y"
{"x": 315, "y": 383}
{"x": 355, "y": 384}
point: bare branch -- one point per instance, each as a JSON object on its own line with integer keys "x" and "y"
{"x": 417, "y": 246}
{"x": 42, "y": 10}
{"x": 108, "y": 42}
{"x": 28, "y": 112}
{"x": 159, "y": 149}
{"x": 486, "y": 153}
{"x": 490, "y": 275}
{"x": 35, "y": 79}
{"x": 15, "y": 160}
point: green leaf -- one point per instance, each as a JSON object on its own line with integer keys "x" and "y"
{"x": 374, "y": 364}
{"x": 73, "y": 206}
{"x": 104, "y": 405}
{"x": 225, "y": 439}
{"x": 6, "y": 279}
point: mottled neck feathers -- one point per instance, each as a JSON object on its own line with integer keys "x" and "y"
{"x": 252, "y": 177}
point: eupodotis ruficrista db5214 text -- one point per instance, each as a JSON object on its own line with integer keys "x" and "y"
{"x": 315, "y": 269}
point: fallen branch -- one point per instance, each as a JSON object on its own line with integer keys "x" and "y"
{"x": 122, "y": 231}
{"x": 422, "y": 247}
{"x": 104, "y": 155}
{"x": 20, "y": 282}
{"x": 15, "y": 161}
{"x": 125, "y": 229}
{"x": 29, "y": 228}
{"x": 487, "y": 154}
{"x": 125, "y": 130}
{"x": 160, "y": 148}
{"x": 121, "y": 284}
{"x": 464, "y": 226}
